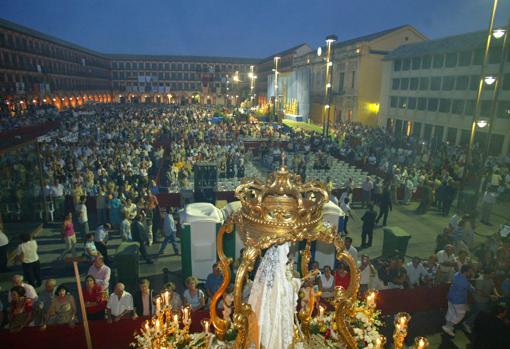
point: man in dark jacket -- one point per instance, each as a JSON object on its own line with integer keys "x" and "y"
{"x": 384, "y": 205}
{"x": 139, "y": 235}
{"x": 367, "y": 230}
{"x": 143, "y": 299}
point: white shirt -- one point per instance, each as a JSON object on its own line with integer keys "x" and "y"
{"x": 82, "y": 213}
{"x": 29, "y": 292}
{"x": 442, "y": 257}
{"x": 4, "y": 240}
{"x": 29, "y": 251}
{"x": 353, "y": 252}
{"x": 118, "y": 306}
{"x": 415, "y": 274}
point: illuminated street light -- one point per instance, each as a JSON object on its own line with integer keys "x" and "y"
{"x": 482, "y": 123}
{"x": 319, "y": 51}
{"x": 489, "y": 80}
{"x": 499, "y": 33}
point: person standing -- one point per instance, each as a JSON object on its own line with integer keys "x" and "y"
{"x": 367, "y": 230}
{"x": 27, "y": 255}
{"x": 140, "y": 235}
{"x": 384, "y": 206}
{"x": 346, "y": 208}
{"x": 57, "y": 192}
{"x": 69, "y": 237}
{"x": 169, "y": 231}
{"x": 101, "y": 239}
{"x": 458, "y": 299}
{"x": 4, "y": 241}
{"x": 447, "y": 264}
{"x": 367, "y": 188}
{"x": 101, "y": 207}
{"x": 488, "y": 202}
{"x": 83, "y": 218}
{"x": 125, "y": 229}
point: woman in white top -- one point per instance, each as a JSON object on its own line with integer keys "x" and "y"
{"x": 327, "y": 283}
{"x": 27, "y": 254}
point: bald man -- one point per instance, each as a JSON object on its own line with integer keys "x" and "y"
{"x": 120, "y": 304}
{"x": 17, "y": 280}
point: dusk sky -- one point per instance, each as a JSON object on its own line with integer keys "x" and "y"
{"x": 239, "y": 28}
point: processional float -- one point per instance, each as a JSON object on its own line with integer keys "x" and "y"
{"x": 280, "y": 210}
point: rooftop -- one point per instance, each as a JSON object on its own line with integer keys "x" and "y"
{"x": 182, "y": 58}
{"x": 371, "y": 37}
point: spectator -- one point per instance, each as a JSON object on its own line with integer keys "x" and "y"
{"x": 101, "y": 239}
{"x": 327, "y": 283}
{"x": 367, "y": 230}
{"x": 367, "y": 188}
{"x": 62, "y": 308}
{"x": 120, "y": 304}
{"x": 17, "y": 280}
{"x": 101, "y": 273}
{"x": 346, "y": 208}
{"x": 69, "y": 237}
{"x": 342, "y": 276}
{"x": 491, "y": 328}
{"x": 397, "y": 275}
{"x": 384, "y": 206}
{"x": 169, "y": 231}
{"x": 175, "y": 298}
{"x": 139, "y": 234}
{"x": 416, "y": 272}
{"x": 193, "y": 296}
{"x": 214, "y": 280}
{"x": 20, "y": 314}
{"x": 27, "y": 254}
{"x": 83, "y": 218}
{"x": 488, "y": 202}
{"x": 431, "y": 268}
{"x": 443, "y": 239}
{"x": 458, "y": 299}
{"x": 91, "y": 251}
{"x": 447, "y": 264}
{"x": 125, "y": 229}
{"x": 44, "y": 301}
{"x": 143, "y": 299}
{"x": 4, "y": 241}
{"x": 351, "y": 249}
{"x": 94, "y": 298}
{"x": 368, "y": 275}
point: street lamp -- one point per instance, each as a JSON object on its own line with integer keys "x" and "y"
{"x": 330, "y": 39}
{"x": 498, "y": 33}
{"x": 276, "y": 60}
{"x": 482, "y": 123}
{"x": 489, "y": 80}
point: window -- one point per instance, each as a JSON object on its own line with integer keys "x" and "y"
{"x": 393, "y": 102}
{"x": 341, "y": 82}
{"x": 406, "y": 64}
{"x": 438, "y": 61}
{"x": 167, "y": 66}
{"x": 495, "y": 54}
{"x": 413, "y": 84}
{"x": 485, "y": 108}
{"x": 435, "y": 83}
{"x": 395, "y": 84}
{"x": 425, "y": 62}
{"x": 465, "y": 58}
{"x": 402, "y": 102}
{"x": 411, "y": 103}
{"x": 422, "y": 103}
{"x": 353, "y": 79}
{"x": 397, "y": 65}
{"x": 179, "y": 76}
{"x": 179, "y": 66}
{"x": 174, "y": 66}
{"x": 114, "y": 65}
{"x": 415, "y": 63}
{"x": 461, "y": 82}
{"x": 185, "y": 67}
{"x": 474, "y": 82}
{"x": 424, "y": 84}
{"x": 448, "y": 82}
{"x": 506, "y": 82}
{"x": 458, "y": 106}
{"x": 444, "y": 105}
{"x": 451, "y": 60}
{"x": 478, "y": 57}
{"x": 432, "y": 104}
{"x": 404, "y": 84}
{"x": 503, "y": 110}
{"x": 470, "y": 107}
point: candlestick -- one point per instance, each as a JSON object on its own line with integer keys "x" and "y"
{"x": 206, "y": 325}
{"x": 185, "y": 314}
{"x": 158, "y": 305}
{"x": 176, "y": 320}
{"x": 157, "y": 325}
{"x": 167, "y": 298}
{"x": 379, "y": 343}
{"x": 321, "y": 311}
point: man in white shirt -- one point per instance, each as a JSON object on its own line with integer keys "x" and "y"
{"x": 415, "y": 272}
{"x": 57, "y": 192}
{"x": 83, "y": 218}
{"x": 120, "y": 304}
{"x": 367, "y": 187}
{"x": 351, "y": 249}
{"x": 17, "y": 280}
{"x": 447, "y": 264}
{"x": 125, "y": 228}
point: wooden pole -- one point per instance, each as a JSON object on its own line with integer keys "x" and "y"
{"x": 82, "y": 306}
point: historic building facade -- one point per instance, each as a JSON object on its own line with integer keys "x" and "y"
{"x": 180, "y": 79}
{"x": 429, "y": 91}
{"x": 37, "y": 69}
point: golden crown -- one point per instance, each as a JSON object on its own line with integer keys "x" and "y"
{"x": 281, "y": 209}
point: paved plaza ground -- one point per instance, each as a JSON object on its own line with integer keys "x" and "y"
{"x": 422, "y": 228}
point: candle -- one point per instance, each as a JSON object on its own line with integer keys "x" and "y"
{"x": 157, "y": 325}
{"x": 402, "y": 321}
{"x": 421, "y": 343}
{"x": 185, "y": 313}
{"x": 158, "y": 304}
{"x": 378, "y": 343}
{"x": 176, "y": 319}
{"x": 371, "y": 299}
{"x": 167, "y": 298}
{"x": 206, "y": 326}
{"x": 321, "y": 311}
{"x": 147, "y": 325}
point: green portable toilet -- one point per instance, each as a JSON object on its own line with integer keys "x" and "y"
{"x": 127, "y": 264}
{"x": 395, "y": 238}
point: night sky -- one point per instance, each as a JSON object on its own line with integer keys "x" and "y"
{"x": 239, "y": 28}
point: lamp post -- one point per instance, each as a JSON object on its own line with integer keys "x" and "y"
{"x": 476, "y": 115}
{"x": 276, "y": 60}
{"x": 330, "y": 39}
{"x": 252, "y": 77}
